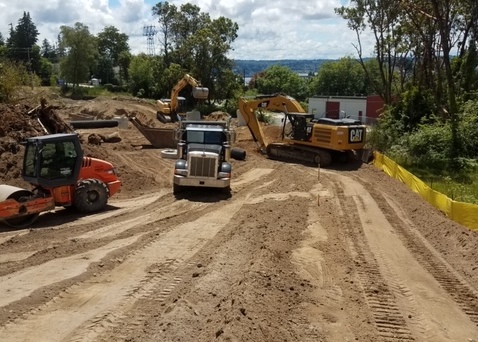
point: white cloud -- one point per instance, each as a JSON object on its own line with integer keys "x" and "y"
{"x": 300, "y": 29}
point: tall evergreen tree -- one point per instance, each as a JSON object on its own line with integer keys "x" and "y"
{"x": 23, "y": 38}
{"x": 48, "y": 51}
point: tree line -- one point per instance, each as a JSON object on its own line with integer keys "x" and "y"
{"x": 190, "y": 41}
{"x": 426, "y": 70}
{"x": 424, "y": 66}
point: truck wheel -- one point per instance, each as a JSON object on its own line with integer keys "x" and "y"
{"x": 91, "y": 195}
{"x": 238, "y": 153}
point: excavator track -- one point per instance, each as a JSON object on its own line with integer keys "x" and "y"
{"x": 302, "y": 154}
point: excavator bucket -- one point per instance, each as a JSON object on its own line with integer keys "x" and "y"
{"x": 200, "y": 93}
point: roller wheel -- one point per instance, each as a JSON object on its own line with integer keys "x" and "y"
{"x": 22, "y": 221}
{"x": 91, "y": 195}
{"x": 19, "y": 195}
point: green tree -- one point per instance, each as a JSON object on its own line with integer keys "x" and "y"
{"x": 104, "y": 71}
{"x": 13, "y": 75}
{"x": 45, "y": 71}
{"x": 281, "y": 79}
{"x": 81, "y": 52}
{"x": 383, "y": 19}
{"x": 48, "y": 51}
{"x": 343, "y": 77}
{"x": 141, "y": 79}
{"x": 111, "y": 43}
{"x": 124, "y": 59}
{"x": 22, "y": 39}
{"x": 21, "y": 43}
{"x": 166, "y": 14}
{"x": 194, "y": 41}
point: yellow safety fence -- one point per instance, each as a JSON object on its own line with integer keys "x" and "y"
{"x": 463, "y": 213}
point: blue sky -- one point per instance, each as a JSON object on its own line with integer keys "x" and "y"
{"x": 280, "y": 29}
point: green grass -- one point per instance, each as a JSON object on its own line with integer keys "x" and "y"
{"x": 461, "y": 188}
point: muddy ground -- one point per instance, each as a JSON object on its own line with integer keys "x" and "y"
{"x": 347, "y": 254}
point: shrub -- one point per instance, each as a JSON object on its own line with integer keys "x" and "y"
{"x": 12, "y": 77}
{"x": 430, "y": 145}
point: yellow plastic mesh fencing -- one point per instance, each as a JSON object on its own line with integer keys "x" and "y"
{"x": 463, "y": 213}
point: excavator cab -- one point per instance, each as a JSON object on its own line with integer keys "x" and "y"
{"x": 298, "y": 126}
{"x": 52, "y": 160}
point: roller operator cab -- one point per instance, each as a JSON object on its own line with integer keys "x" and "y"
{"x": 61, "y": 176}
{"x": 204, "y": 152}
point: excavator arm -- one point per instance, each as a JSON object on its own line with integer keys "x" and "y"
{"x": 170, "y": 108}
{"x": 274, "y": 103}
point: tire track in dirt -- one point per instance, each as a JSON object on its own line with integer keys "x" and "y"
{"x": 101, "y": 300}
{"x": 461, "y": 291}
{"x": 415, "y": 286}
{"x": 388, "y": 318}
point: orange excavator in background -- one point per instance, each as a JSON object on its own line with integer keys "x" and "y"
{"x": 168, "y": 109}
{"x": 304, "y": 138}
{"x": 54, "y": 164}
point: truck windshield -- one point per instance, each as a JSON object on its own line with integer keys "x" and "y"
{"x": 205, "y": 137}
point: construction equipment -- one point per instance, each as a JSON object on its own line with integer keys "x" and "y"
{"x": 304, "y": 138}
{"x": 158, "y": 137}
{"x": 54, "y": 164}
{"x": 168, "y": 108}
{"x": 204, "y": 152}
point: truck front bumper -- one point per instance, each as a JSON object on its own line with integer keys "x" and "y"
{"x": 202, "y": 182}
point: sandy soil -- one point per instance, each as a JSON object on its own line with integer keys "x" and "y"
{"x": 294, "y": 254}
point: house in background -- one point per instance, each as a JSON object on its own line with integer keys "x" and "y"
{"x": 364, "y": 108}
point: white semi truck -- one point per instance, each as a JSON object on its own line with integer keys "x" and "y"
{"x": 204, "y": 155}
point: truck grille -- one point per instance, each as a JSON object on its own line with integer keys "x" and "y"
{"x": 202, "y": 166}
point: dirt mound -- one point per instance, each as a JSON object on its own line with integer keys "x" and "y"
{"x": 17, "y": 123}
{"x": 217, "y": 116}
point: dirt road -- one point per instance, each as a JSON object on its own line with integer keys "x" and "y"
{"x": 291, "y": 255}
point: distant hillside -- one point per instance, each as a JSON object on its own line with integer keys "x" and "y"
{"x": 250, "y": 67}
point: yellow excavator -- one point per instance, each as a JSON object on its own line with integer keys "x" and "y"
{"x": 304, "y": 138}
{"x": 168, "y": 108}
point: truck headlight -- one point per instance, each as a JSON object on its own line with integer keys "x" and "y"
{"x": 181, "y": 172}
{"x": 223, "y": 175}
